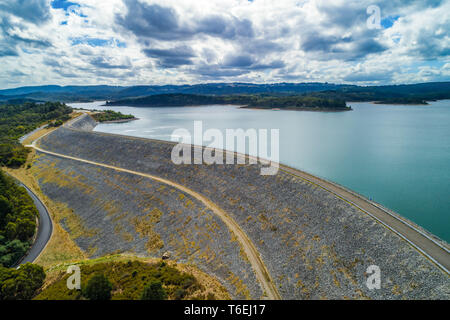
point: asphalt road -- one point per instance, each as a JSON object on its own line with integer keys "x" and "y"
{"x": 44, "y": 232}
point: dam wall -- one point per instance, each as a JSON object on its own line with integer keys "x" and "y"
{"x": 314, "y": 244}
{"x": 82, "y": 123}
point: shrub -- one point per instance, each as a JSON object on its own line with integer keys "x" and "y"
{"x": 154, "y": 291}
{"x": 98, "y": 288}
{"x": 20, "y": 284}
{"x": 179, "y": 294}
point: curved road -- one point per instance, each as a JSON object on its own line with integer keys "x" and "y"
{"x": 44, "y": 233}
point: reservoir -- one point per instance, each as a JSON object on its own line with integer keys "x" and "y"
{"x": 396, "y": 155}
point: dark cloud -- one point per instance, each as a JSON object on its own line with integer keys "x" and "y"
{"x": 34, "y": 11}
{"x": 344, "y": 16}
{"x": 261, "y": 46}
{"x": 277, "y": 64}
{"x": 152, "y": 21}
{"x": 17, "y": 73}
{"x": 430, "y": 45}
{"x": 52, "y": 62}
{"x": 103, "y": 63}
{"x": 343, "y": 48}
{"x": 30, "y": 11}
{"x": 369, "y": 77}
{"x": 249, "y": 63}
{"x": 239, "y": 61}
{"x": 209, "y": 71}
{"x": 235, "y": 65}
{"x": 225, "y": 27}
{"x": 6, "y": 51}
{"x": 171, "y": 58}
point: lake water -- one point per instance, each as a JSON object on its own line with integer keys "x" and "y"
{"x": 397, "y": 155}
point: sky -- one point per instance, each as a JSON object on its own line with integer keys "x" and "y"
{"x": 137, "y": 42}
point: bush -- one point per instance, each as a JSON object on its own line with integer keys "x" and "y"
{"x": 98, "y": 288}
{"x": 179, "y": 294}
{"x": 129, "y": 279}
{"x": 21, "y": 284}
{"x": 25, "y": 229}
{"x": 154, "y": 291}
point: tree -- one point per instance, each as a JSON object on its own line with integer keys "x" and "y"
{"x": 25, "y": 229}
{"x": 98, "y": 288}
{"x": 10, "y": 230}
{"x": 154, "y": 291}
{"x": 20, "y": 284}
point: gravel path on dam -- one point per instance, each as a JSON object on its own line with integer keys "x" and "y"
{"x": 116, "y": 212}
{"x": 314, "y": 244}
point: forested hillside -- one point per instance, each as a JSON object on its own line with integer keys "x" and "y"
{"x": 17, "y": 220}
{"x": 17, "y": 211}
{"x": 17, "y": 120}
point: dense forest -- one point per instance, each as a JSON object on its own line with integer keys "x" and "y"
{"x": 17, "y": 220}
{"x": 250, "y": 101}
{"x": 17, "y": 120}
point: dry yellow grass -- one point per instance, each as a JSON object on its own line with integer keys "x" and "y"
{"x": 144, "y": 226}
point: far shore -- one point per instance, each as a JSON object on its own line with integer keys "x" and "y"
{"x": 298, "y": 109}
{"x": 120, "y": 120}
{"x": 234, "y": 105}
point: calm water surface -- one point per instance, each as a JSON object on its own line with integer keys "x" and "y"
{"x": 397, "y": 155}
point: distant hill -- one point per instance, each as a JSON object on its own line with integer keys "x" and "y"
{"x": 413, "y": 93}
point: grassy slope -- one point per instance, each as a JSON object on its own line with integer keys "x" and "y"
{"x": 129, "y": 275}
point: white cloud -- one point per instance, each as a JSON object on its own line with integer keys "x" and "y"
{"x": 171, "y": 41}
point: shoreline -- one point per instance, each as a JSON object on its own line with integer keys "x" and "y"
{"x": 298, "y": 109}
{"x": 239, "y": 106}
{"x": 119, "y": 120}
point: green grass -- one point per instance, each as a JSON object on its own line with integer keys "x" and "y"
{"x": 129, "y": 279}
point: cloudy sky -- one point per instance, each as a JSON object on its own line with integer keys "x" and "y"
{"x": 129, "y": 42}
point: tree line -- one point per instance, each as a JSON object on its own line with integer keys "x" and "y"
{"x": 17, "y": 220}
{"x": 18, "y": 120}
{"x": 304, "y": 101}
{"x": 17, "y": 211}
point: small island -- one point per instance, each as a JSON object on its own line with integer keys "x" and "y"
{"x": 253, "y": 101}
{"x": 109, "y": 116}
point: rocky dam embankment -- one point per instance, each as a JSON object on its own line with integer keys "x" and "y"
{"x": 314, "y": 244}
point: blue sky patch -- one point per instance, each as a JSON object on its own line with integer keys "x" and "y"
{"x": 97, "y": 42}
{"x": 388, "y": 22}
{"x": 68, "y": 6}
{"x": 63, "y": 4}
